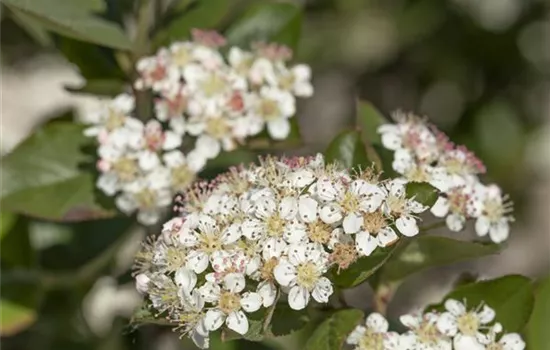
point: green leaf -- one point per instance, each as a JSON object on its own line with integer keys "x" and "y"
{"x": 101, "y": 87}
{"x": 286, "y": 320}
{"x": 93, "y": 62}
{"x": 331, "y": 334}
{"x": 368, "y": 120}
{"x": 255, "y": 328}
{"x": 347, "y": 149}
{"x": 32, "y": 27}
{"x": 363, "y": 268}
{"x": 510, "y": 296}
{"x": 73, "y": 19}
{"x": 7, "y": 220}
{"x": 267, "y": 22}
{"x": 16, "y": 249}
{"x": 204, "y": 14}
{"x": 537, "y": 335}
{"x": 45, "y": 176}
{"x": 15, "y": 317}
{"x": 423, "y": 192}
{"x": 429, "y": 251}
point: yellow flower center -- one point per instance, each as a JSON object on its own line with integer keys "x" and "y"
{"x": 307, "y": 275}
{"x": 210, "y": 243}
{"x": 417, "y": 174}
{"x": 275, "y": 225}
{"x": 115, "y": 120}
{"x": 343, "y": 255}
{"x": 146, "y": 198}
{"x": 266, "y": 271}
{"x": 319, "y": 232}
{"x": 397, "y": 205}
{"x": 229, "y": 302}
{"x": 372, "y": 341}
{"x": 269, "y": 109}
{"x": 175, "y": 258}
{"x": 374, "y": 222}
{"x": 350, "y": 202}
{"x": 468, "y": 324}
{"x": 126, "y": 169}
{"x": 213, "y": 85}
{"x": 217, "y": 128}
{"x": 181, "y": 56}
{"x": 427, "y": 333}
{"x": 182, "y": 177}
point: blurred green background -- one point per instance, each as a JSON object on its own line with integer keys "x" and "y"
{"x": 478, "y": 69}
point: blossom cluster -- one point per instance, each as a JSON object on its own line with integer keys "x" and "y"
{"x": 266, "y": 232}
{"x": 457, "y": 328}
{"x": 204, "y": 103}
{"x": 422, "y": 153}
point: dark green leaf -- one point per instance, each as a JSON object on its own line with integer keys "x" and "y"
{"x": 430, "y": 251}
{"x": 255, "y": 328}
{"x": 331, "y": 334}
{"x": 368, "y": 120}
{"x": 16, "y": 250}
{"x": 45, "y": 176}
{"x": 348, "y": 150}
{"x": 267, "y": 22}
{"x": 205, "y": 14}
{"x": 537, "y": 335}
{"x": 363, "y": 268}
{"x": 7, "y": 220}
{"x": 100, "y": 87}
{"x": 510, "y": 296}
{"x": 93, "y": 62}
{"x": 286, "y": 320}
{"x": 423, "y": 192}
{"x": 73, "y": 19}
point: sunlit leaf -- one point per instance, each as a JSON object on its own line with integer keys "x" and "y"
{"x": 368, "y": 120}
{"x": 537, "y": 335}
{"x": 422, "y": 192}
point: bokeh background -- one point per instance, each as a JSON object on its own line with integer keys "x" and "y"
{"x": 479, "y": 69}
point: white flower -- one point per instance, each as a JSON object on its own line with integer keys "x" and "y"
{"x": 229, "y": 304}
{"x": 110, "y": 116}
{"x": 302, "y": 272}
{"x": 398, "y": 205}
{"x": 423, "y": 334}
{"x": 494, "y": 212}
{"x": 374, "y": 335}
{"x": 464, "y": 325}
{"x": 455, "y": 206}
{"x": 195, "y": 328}
{"x": 206, "y": 240}
{"x": 275, "y": 107}
{"x": 509, "y": 341}
{"x": 183, "y": 169}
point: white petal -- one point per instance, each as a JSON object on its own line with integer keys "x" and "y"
{"x": 356, "y": 335}
{"x": 409, "y": 321}
{"x": 171, "y": 140}
{"x": 252, "y": 229}
{"x": 391, "y": 141}
{"x": 298, "y": 298}
{"x": 185, "y": 279}
{"x": 455, "y": 307}
{"x": 455, "y": 222}
{"x": 512, "y": 341}
{"x": 148, "y": 160}
{"x": 297, "y": 254}
{"x": 407, "y": 226}
{"x": 463, "y": 342}
{"x": 486, "y": 314}
{"x": 386, "y": 236}
{"x": 284, "y": 273}
{"x": 278, "y": 128}
{"x": 482, "y": 226}
{"x": 200, "y": 340}
{"x": 330, "y": 213}
{"x": 237, "y": 322}
{"x": 251, "y": 301}
{"x": 268, "y": 292}
{"x": 142, "y": 283}
{"x": 352, "y": 223}
{"x": 197, "y": 261}
{"x": 210, "y": 292}
{"x": 295, "y": 233}
{"x": 273, "y": 248}
{"x": 499, "y": 232}
{"x": 234, "y": 282}
{"x": 231, "y": 234}
{"x": 323, "y": 290}
{"x": 208, "y": 146}
{"x": 446, "y": 324}
{"x": 377, "y": 323}
{"x": 307, "y": 207}
{"x": 365, "y": 243}
{"x": 288, "y": 208}
{"x": 213, "y": 319}
{"x": 302, "y": 178}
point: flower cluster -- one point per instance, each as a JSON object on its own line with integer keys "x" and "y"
{"x": 457, "y": 328}
{"x": 214, "y": 102}
{"x": 422, "y": 153}
{"x": 223, "y": 100}
{"x": 264, "y": 232}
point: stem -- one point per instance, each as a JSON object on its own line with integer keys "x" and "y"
{"x": 382, "y": 297}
